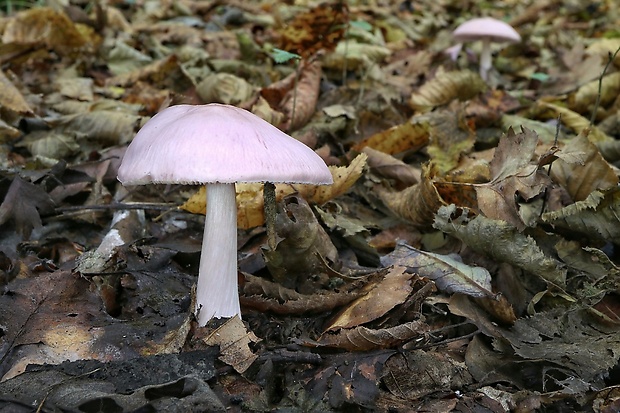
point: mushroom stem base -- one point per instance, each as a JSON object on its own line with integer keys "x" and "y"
{"x": 217, "y": 293}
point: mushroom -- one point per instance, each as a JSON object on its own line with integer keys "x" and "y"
{"x": 488, "y": 30}
{"x": 217, "y": 145}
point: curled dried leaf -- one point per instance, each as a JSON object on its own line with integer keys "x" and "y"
{"x": 11, "y": 98}
{"x": 416, "y": 204}
{"x": 366, "y": 339}
{"x": 224, "y": 88}
{"x": 445, "y": 87}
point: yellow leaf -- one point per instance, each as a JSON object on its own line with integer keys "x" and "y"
{"x": 399, "y": 138}
{"x": 250, "y": 196}
{"x": 11, "y": 98}
{"x": 445, "y": 87}
{"x": 577, "y": 123}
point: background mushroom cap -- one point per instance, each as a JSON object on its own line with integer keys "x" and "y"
{"x": 193, "y": 144}
{"x": 486, "y": 27}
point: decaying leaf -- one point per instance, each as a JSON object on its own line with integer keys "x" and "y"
{"x": 586, "y": 96}
{"x": 267, "y": 296}
{"x": 23, "y": 203}
{"x": 514, "y": 174}
{"x": 415, "y": 374}
{"x": 234, "y": 339}
{"x": 353, "y": 55}
{"x": 386, "y": 293}
{"x": 448, "y": 272}
{"x": 44, "y": 26}
{"x": 445, "y": 87}
{"x": 597, "y": 216}
{"x": 11, "y": 98}
{"x": 320, "y": 28}
{"x": 408, "y": 136}
{"x": 299, "y": 103}
{"x": 167, "y": 73}
{"x": 390, "y": 167}
{"x": 502, "y": 242}
{"x": 416, "y": 204}
{"x": 365, "y": 339}
{"x": 303, "y": 245}
{"x": 592, "y": 171}
{"x": 51, "y": 145}
{"x": 577, "y": 123}
{"x": 104, "y": 125}
{"x": 250, "y": 211}
{"x": 451, "y": 139}
{"x": 224, "y": 88}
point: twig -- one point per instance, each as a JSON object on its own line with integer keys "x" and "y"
{"x": 116, "y": 206}
{"x": 610, "y": 59}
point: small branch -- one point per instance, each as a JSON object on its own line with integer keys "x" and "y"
{"x": 116, "y": 207}
{"x": 610, "y": 59}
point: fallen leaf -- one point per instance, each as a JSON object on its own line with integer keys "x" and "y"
{"x": 11, "y": 98}
{"x": 592, "y": 171}
{"x": 250, "y": 211}
{"x": 391, "y": 290}
{"x": 502, "y": 242}
{"x": 596, "y": 216}
{"x": 445, "y": 87}
{"x": 448, "y": 272}
{"x": 233, "y": 339}
{"x": 514, "y": 173}
{"x": 320, "y": 28}
{"x": 23, "y": 204}
{"x": 367, "y": 339}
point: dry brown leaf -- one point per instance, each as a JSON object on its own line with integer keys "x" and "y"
{"x": 416, "y": 204}
{"x": 22, "y": 204}
{"x": 445, "y": 87}
{"x": 408, "y": 136}
{"x": 266, "y": 296}
{"x": 250, "y": 211}
{"x": 302, "y": 247}
{"x": 45, "y": 27}
{"x": 502, "y": 242}
{"x": 514, "y": 173}
{"x": 11, "y": 98}
{"x": 233, "y": 339}
{"x": 164, "y": 73}
{"x": 388, "y": 292}
{"x": 320, "y": 28}
{"x": 592, "y": 173}
{"x": 452, "y": 137}
{"x": 104, "y": 126}
{"x": 299, "y": 105}
{"x": 389, "y": 167}
{"x": 366, "y": 339}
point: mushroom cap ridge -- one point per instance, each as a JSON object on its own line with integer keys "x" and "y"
{"x": 486, "y": 27}
{"x": 192, "y": 144}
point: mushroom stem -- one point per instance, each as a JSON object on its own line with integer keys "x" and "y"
{"x": 485, "y": 59}
{"x": 217, "y": 293}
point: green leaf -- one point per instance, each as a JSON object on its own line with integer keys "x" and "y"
{"x": 361, "y": 25}
{"x": 282, "y": 56}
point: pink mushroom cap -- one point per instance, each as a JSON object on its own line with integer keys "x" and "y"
{"x": 214, "y": 143}
{"x": 486, "y": 28}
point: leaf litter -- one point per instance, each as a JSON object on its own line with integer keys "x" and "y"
{"x": 464, "y": 259}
